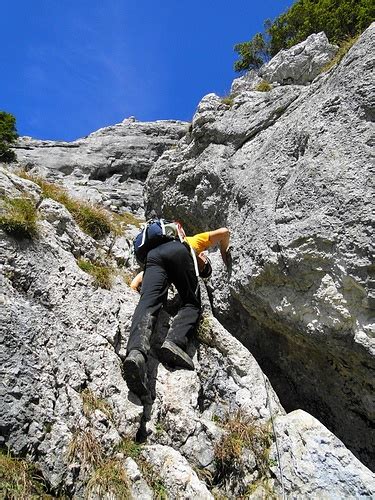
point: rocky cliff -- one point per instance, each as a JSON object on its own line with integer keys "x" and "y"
{"x": 109, "y": 166}
{"x": 288, "y": 171}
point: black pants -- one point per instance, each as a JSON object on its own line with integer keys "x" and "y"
{"x": 168, "y": 263}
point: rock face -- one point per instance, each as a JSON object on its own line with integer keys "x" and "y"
{"x": 64, "y": 403}
{"x": 300, "y": 64}
{"x": 291, "y": 172}
{"x": 298, "y": 293}
{"x": 108, "y": 166}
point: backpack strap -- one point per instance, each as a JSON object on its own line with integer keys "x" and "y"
{"x": 194, "y": 257}
{"x": 144, "y": 234}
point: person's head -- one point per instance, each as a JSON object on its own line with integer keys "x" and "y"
{"x": 204, "y": 264}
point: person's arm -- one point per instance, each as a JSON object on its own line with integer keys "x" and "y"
{"x": 221, "y": 236}
{"x": 137, "y": 281}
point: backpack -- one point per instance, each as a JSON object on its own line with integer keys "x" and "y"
{"x": 154, "y": 233}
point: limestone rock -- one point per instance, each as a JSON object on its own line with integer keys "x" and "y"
{"x": 290, "y": 173}
{"x": 108, "y": 166}
{"x": 300, "y": 64}
{"x": 174, "y": 470}
{"x": 298, "y": 292}
{"x": 304, "y": 446}
{"x": 63, "y": 336}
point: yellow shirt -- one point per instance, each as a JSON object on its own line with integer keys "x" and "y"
{"x": 199, "y": 242}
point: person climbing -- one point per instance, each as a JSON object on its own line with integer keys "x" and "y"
{"x": 170, "y": 262}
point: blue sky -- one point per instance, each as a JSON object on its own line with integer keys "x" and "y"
{"x": 70, "y": 67}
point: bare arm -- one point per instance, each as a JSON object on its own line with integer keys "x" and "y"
{"x": 221, "y": 236}
{"x": 136, "y": 282}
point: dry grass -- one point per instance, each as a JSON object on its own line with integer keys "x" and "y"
{"x": 93, "y": 220}
{"x": 103, "y": 275}
{"x": 122, "y": 221}
{"x": 228, "y": 100}
{"x": 110, "y": 478}
{"x": 85, "y": 448}
{"x": 18, "y": 216}
{"x": 263, "y": 86}
{"x": 344, "y": 47}
{"x": 20, "y": 479}
{"x": 91, "y": 403}
{"x": 242, "y": 432}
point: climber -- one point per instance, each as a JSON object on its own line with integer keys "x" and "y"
{"x": 170, "y": 262}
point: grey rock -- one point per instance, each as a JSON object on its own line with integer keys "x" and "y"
{"x": 180, "y": 479}
{"x": 139, "y": 486}
{"x": 303, "y": 445}
{"x": 300, "y": 64}
{"x": 290, "y": 173}
{"x": 298, "y": 293}
{"x": 108, "y": 166}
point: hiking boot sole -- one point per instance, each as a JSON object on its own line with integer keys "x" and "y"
{"x": 134, "y": 377}
{"x": 174, "y": 356}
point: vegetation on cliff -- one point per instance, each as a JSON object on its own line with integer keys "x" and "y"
{"x": 8, "y": 135}
{"x": 339, "y": 20}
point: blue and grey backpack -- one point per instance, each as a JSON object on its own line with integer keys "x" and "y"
{"x": 155, "y": 232}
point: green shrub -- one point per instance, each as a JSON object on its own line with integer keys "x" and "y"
{"x": 8, "y": 135}
{"x": 103, "y": 275}
{"x": 19, "y": 216}
{"x": 20, "y": 479}
{"x": 339, "y": 21}
{"x": 263, "y": 86}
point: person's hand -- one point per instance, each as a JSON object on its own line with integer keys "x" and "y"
{"x": 137, "y": 282}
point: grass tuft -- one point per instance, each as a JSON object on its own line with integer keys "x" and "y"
{"x": 109, "y": 479}
{"x": 103, "y": 275}
{"x": 263, "y": 86}
{"x": 242, "y": 432}
{"x": 129, "y": 448}
{"x": 93, "y": 220}
{"x": 91, "y": 403}
{"x": 344, "y": 47}
{"x": 20, "y": 479}
{"x": 228, "y": 100}
{"x": 19, "y": 216}
{"x": 122, "y": 221}
{"x": 85, "y": 448}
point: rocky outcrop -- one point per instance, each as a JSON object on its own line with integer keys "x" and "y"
{"x": 290, "y": 172}
{"x": 65, "y": 406}
{"x": 300, "y": 64}
{"x": 109, "y": 166}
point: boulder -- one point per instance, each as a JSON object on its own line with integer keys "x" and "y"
{"x": 300, "y": 64}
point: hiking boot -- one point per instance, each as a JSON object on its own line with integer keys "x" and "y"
{"x": 135, "y": 373}
{"x": 174, "y": 356}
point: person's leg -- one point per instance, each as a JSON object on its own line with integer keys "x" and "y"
{"x": 184, "y": 278}
{"x": 154, "y": 289}
{"x": 181, "y": 272}
{"x": 153, "y": 292}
